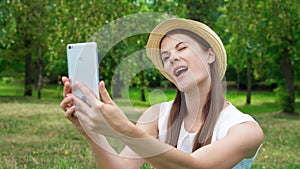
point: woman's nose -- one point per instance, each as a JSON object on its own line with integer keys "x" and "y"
{"x": 174, "y": 57}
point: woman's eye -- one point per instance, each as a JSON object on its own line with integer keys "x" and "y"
{"x": 181, "y": 48}
{"x": 165, "y": 58}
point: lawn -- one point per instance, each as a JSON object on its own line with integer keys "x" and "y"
{"x": 35, "y": 134}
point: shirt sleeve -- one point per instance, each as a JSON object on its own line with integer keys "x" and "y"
{"x": 228, "y": 118}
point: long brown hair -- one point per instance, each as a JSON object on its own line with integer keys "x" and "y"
{"x": 211, "y": 110}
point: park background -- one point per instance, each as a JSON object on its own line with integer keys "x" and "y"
{"x": 262, "y": 79}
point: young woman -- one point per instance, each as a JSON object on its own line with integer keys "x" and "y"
{"x": 198, "y": 129}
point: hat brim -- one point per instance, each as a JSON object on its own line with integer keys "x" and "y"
{"x": 198, "y": 28}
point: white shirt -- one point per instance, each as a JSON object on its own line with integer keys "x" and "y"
{"x": 229, "y": 117}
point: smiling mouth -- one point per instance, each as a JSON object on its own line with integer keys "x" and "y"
{"x": 180, "y": 70}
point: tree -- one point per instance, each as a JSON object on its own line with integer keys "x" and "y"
{"x": 26, "y": 41}
{"x": 242, "y": 47}
{"x": 205, "y": 11}
{"x": 9, "y": 63}
{"x": 257, "y": 31}
{"x": 22, "y": 13}
{"x": 283, "y": 44}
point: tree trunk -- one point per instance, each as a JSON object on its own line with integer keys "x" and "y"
{"x": 249, "y": 80}
{"x": 238, "y": 77}
{"x": 143, "y": 91}
{"x": 143, "y": 79}
{"x": 40, "y": 53}
{"x": 28, "y": 74}
{"x": 289, "y": 82}
{"x": 40, "y": 73}
{"x": 116, "y": 86}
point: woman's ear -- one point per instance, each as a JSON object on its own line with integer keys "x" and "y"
{"x": 211, "y": 56}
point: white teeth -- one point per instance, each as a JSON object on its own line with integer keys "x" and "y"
{"x": 180, "y": 70}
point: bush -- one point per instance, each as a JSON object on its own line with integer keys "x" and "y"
{"x": 283, "y": 99}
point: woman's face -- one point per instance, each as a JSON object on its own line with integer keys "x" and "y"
{"x": 185, "y": 61}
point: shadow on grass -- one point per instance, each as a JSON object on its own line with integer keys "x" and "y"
{"x": 267, "y": 107}
{"x": 287, "y": 116}
{"x": 23, "y": 99}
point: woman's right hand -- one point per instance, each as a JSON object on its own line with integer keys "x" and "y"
{"x": 67, "y": 105}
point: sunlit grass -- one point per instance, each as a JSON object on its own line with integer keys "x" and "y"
{"x": 281, "y": 145}
{"x": 35, "y": 134}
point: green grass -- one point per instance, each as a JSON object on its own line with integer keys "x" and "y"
{"x": 35, "y": 134}
{"x": 281, "y": 145}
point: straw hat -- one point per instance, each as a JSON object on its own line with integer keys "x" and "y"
{"x": 200, "y": 29}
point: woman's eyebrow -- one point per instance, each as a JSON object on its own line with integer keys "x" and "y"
{"x": 164, "y": 52}
{"x": 176, "y": 46}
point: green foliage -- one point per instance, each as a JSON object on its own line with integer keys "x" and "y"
{"x": 8, "y": 23}
{"x": 256, "y": 32}
{"x": 282, "y": 98}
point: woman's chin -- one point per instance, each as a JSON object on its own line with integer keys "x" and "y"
{"x": 186, "y": 87}
{"x": 189, "y": 85}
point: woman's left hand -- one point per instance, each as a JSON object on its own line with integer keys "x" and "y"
{"x": 103, "y": 117}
